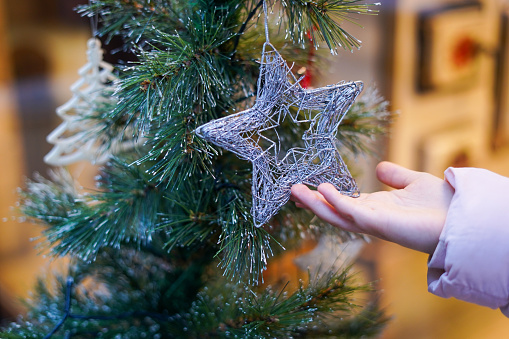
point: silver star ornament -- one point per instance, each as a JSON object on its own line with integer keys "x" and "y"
{"x": 252, "y": 135}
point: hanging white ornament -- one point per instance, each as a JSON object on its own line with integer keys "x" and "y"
{"x": 78, "y": 137}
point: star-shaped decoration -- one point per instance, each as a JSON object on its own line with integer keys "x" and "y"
{"x": 280, "y": 95}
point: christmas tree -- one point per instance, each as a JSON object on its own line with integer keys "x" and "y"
{"x": 199, "y": 140}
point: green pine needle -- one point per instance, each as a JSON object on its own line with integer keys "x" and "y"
{"x": 81, "y": 224}
{"x": 323, "y": 20}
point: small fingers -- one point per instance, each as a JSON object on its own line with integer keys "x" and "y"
{"x": 337, "y": 200}
{"x": 302, "y": 194}
{"x": 314, "y": 201}
{"x": 361, "y": 217}
{"x": 395, "y": 176}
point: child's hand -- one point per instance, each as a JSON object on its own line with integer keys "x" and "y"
{"x": 413, "y": 215}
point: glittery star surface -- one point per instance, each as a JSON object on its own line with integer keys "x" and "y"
{"x": 252, "y": 135}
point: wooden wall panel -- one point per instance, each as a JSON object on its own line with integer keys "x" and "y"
{"x": 436, "y": 129}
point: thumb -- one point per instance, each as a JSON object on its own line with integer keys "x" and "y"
{"x": 394, "y": 175}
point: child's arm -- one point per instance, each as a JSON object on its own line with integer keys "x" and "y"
{"x": 463, "y": 222}
{"x": 413, "y": 215}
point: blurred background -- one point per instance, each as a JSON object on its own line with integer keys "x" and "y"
{"x": 442, "y": 64}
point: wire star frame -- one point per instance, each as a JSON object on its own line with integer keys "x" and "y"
{"x": 274, "y": 173}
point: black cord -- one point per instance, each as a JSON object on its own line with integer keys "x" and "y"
{"x": 243, "y": 27}
{"x": 68, "y": 314}
{"x": 67, "y": 309}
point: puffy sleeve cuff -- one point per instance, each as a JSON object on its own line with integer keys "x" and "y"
{"x": 471, "y": 261}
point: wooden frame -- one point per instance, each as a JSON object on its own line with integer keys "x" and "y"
{"x": 501, "y": 121}
{"x": 449, "y": 46}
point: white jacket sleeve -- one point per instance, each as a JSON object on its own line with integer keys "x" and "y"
{"x": 471, "y": 261}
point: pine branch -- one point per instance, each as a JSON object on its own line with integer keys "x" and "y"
{"x": 175, "y": 154}
{"x": 369, "y": 322}
{"x": 323, "y": 20}
{"x": 191, "y": 219}
{"x": 367, "y": 119}
{"x": 230, "y": 311}
{"x": 180, "y": 78}
{"x": 133, "y": 19}
{"x": 130, "y": 208}
{"x": 50, "y": 201}
{"x": 81, "y": 224}
{"x": 135, "y": 294}
{"x": 174, "y": 88}
{"x": 125, "y": 292}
